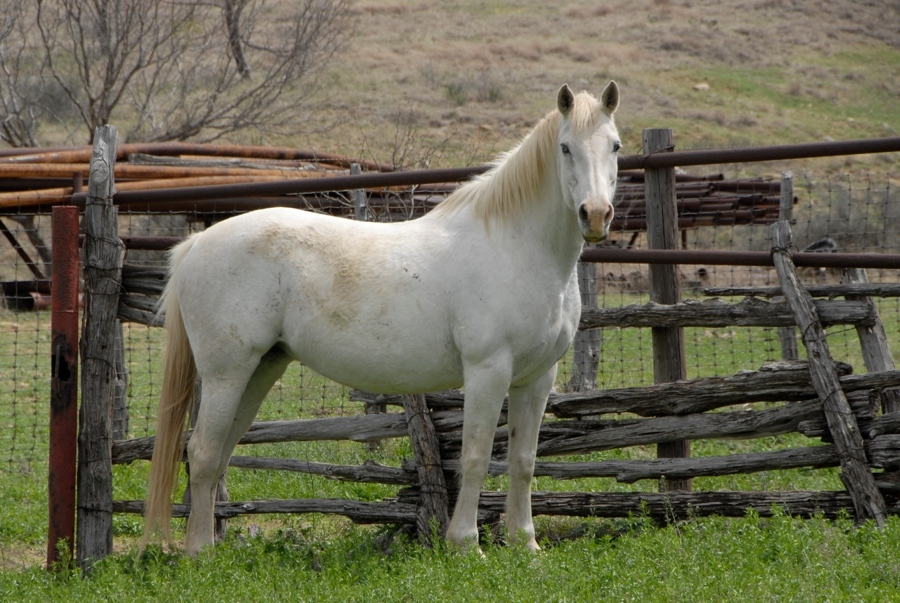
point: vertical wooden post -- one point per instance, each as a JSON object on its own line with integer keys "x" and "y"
{"x": 360, "y": 203}
{"x": 787, "y": 335}
{"x": 876, "y": 351}
{"x": 855, "y": 472}
{"x": 669, "y": 363}
{"x": 361, "y": 213}
{"x": 102, "y": 276}
{"x": 586, "y": 356}
{"x": 433, "y": 507}
{"x": 120, "y": 418}
{"x": 63, "y": 382}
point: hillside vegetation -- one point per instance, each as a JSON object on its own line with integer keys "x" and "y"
{"x": 453, "y": 82}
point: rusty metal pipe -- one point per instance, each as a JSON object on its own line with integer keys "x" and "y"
{"x": 370, "y": 180}
{"x": 753, "y": 154}
{"x": 294, "y": 186}
{"x": 737, "y": 258}
{"x": 82, "y": 154}
{"x": 658, "y": 256}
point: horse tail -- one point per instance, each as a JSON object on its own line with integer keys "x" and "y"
{"x": 176, "y": 400}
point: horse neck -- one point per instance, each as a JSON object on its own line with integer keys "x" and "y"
{"x": 530, "y": 175}
{"x": 544, "y": 233}
{"x": 550, "y": 227}
{"x": 521, "y": 199}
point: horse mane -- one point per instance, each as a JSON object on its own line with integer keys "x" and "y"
{"x": 515, "y": 177}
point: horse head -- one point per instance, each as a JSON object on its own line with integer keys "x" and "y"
{"x": 588, "y": 144}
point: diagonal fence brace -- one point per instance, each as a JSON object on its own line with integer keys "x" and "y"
{"x": 855, "y": 472}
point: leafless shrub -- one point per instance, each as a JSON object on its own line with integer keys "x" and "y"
{"x": 19, "y": 72}
{"x": 168, "y": 70}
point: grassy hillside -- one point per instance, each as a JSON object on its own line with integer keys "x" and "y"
{"x": 453, "y": 82}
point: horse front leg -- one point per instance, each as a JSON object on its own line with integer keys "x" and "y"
{"x": 485, "y": 388}
{"x": 526, "y": 410}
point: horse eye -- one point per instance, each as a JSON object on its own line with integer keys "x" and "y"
{"x": 564, "y": 148}
{"x": 616, "y": 146}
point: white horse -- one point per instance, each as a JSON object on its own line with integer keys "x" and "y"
{"x": 480, "y": 293}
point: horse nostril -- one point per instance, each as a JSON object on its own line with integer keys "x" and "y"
{"x": 609, "y": 214}
{"x": 583, "y": 214}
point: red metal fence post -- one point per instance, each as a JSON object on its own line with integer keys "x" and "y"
{"x": 63, "y": 382}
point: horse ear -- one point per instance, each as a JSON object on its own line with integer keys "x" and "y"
{"x": 610, "y": 97}
{"x": 565, "y": 100}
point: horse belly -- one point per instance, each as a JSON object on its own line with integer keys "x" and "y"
{"x": 384, "y": 356}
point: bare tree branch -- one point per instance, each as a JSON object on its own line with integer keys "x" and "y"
{"x": 19, "y": 110}
{"x": 233, "y": 10}
{"x": 281, "y": 59}
{"x": 163, "y": 70}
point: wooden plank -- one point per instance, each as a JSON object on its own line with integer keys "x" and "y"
{"x": 631, "y": 471}
{"x": 789, "y": 382}
{"x": 660, "y": 506}
{"x": 740, "y": 425}
{"x": 358, "y": 512}
{"x": 369, "y": 472}
{"x": 361, "y": 428}
{"x": 855, "y": 471}
{"x": 666, "y": 506}
{"x": 102, "y": 274}
{"x": 710, "y": 393}
{"x": 750, "y": 312}
{"x": 888, "y": 423}
{"x": 669, "y": 361}
{"x": 884, "y": 451}
{"x": 432, "y": 512}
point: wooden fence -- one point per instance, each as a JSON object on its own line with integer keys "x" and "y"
{"x": 857, "y": 415}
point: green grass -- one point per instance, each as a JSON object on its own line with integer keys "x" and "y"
{"x": 752, "y": 559}
{"x": 327, "y": 558}
{"x": 841, "y": 96}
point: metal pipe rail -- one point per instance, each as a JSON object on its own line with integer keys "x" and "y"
{"x": 419, "y": 177}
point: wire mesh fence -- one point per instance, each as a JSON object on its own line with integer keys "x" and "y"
{"x": 850, "y": 214}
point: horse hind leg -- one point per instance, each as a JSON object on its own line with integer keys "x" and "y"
{"x": 227, "y": 408}
{"x": 526, "y": 410}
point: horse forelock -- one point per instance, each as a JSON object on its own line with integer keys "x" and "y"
{"x": 515, "y": 178}
{"x": 587, "y": 115}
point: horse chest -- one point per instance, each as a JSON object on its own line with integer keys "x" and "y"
{"x": 547, "y": 339}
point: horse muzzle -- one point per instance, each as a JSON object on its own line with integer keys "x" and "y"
{"x": 594, "y": 218}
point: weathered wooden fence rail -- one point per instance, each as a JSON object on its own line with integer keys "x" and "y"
{"x": 673, "y": 411}
{"x": 793, "y": 397}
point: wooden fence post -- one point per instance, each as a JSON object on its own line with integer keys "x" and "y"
{"x": 876, "y": 350}
{"x": 855, "y": 472}
{"x": 360, "y": 202}
{"x": 361, "y": 213}
{"x": 787, "y": 335}
{"x": 433, "y": 505}
{"x": 586, "y": 353}
{"x": 120, "y": 418}
{"x": 669, "y": 363}
{"x": 102, "y": 277}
